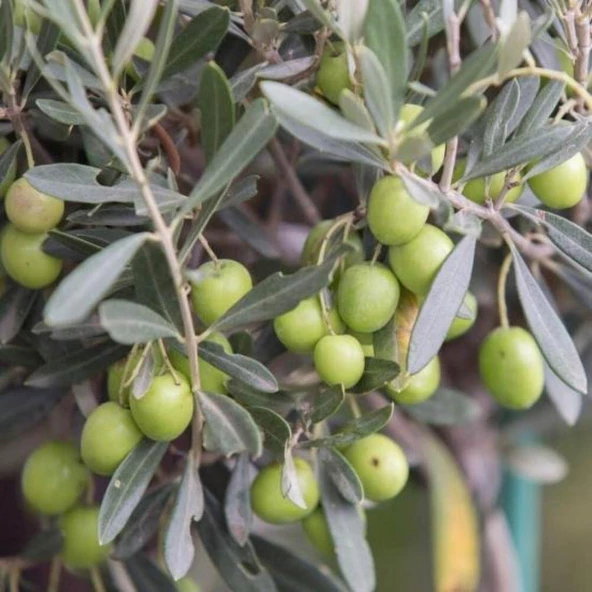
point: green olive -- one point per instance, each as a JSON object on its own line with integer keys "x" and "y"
{"x": 394, "y": 217}
{"x": 314, "y": 240}
{"x": 421, "y": 386}
{"x": 417, "y": 262}
{"x": 367, "y": 296}
{"x": 269, "y": 503}
{"x": 301, "y": 328}
{"x": 380, "y": 464}
{"x": 339, "y": 359}
{"x": 54, "y": 478}
{"x": 460, "y": 326}
{"x": 333, "y": 73}
{"x": 476, "y": 189}
{"x": 512, "y": 368}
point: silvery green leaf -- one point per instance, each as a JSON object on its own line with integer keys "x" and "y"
{"x": 276, "y": 430}
{"x": 237, "y": 501}
{"x": 189, "y": 506}
{"x": 498, "y": 116}
{"x": 342, "y": 474}
{"x": 76, "y": 296}
{"x": 576, "y": 141}
{"x": 543, "y": 106}
{"x": 456, "y": 120}
{"x": 353, "y": 108}
{"x": 464, "y": 222}
{"x": 347, "y": 531}
{"x": 350, "y": 18}
{"x": 137, "y": 22}
{"x": 377, "y": 93}
{"x": 248, "y": 137}
{"x": 555, "y": 342}
{"x": 438, "y": 310}
{"x": 310, "y": 112}
{"x": 422, "y": 191}
{"x": 290, "y": 484}
{"x": 528, "y": 88}
{"x": 60, "y": 111}
{"x": 128, "y": 322}
{"x": 566, "y": 400}
{"x": 513, "y": 46}
{"x": 46, "y": 42}
{"x": 326, "y": 403}
{"x": 385, "y": 35}
{"x": 286, "y": 69}
{"x": 8, "y": 161}
{"x": 537, "y": 463}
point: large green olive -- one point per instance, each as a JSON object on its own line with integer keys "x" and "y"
{"x": 367, "y": 296}
{"x": 269, "y": 503}
{"x": 108, "y": 436}
{"x": 512, "y": 368}
{"x": 417, "y": 262}
{"x": 562, "y": 186}
{"x": 25, "y": 261}
{"x": 166, "y": 409}
{"x": 80, "y": 531}
{"x": 394, "y": 217}
{"x": 339, "y": 359}
{"x": 54, "y": 478}
{"x": 380, "y": 464}
{"x": 301, "y": 328}
{"x": 30, "y": 210}
{"x": 220, "y": 285}
{"x": 333, "y": 73}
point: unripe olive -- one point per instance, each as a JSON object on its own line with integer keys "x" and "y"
{"x": 333, "y": 73}
{"x": 30, "y": 210}
{"x": 109, "y": 435}
{"x": 380, "y": 464}
{"x": 417, "y": 262}
{"x": 409, "y": 112}
{"x": 211, "y": 379}
{"x": 394, "y": 217}
{"x": 460, "y": 326}
{"x": 25, "y": 261}
{"x": 54, "y": 478}
{"x": 268, "y": 501}
{"x": 24, "y": 14}
{"x": 562, "y": 186}
{"x": 301, "y": 328}
{"x": 11, "y": 173}
{"x": 367, "y": 296}
{"x": 421, "y": 386}
{"x": 339, "y": 359}
{"x": 475, "y": 189}
{"x": 219, "y": 287}
{"x": 317, "y": 531}
{"x": 314, "y": 240}
{"x": 80, "y": 530}
{"x": 166, "y": 409}
{"x": 512, "y": 367}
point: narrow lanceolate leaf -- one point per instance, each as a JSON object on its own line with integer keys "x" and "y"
{"x": 46, "y": 41}
{"x": 276, "y": 430}
{"x": 446, "y": 407}
{"x": 237, "y": 501}
{"x": 153, "y": 283}
{"x": 542, "y": 107}
{"x": 8, "y": 164}
{"x": 189, "y": 505}
{"x": 385, "y": 35}
{"x": 356, "y": 429}
{"x": 310, "y": 112}
{"x": 569, "y": 238}
{"x": 127, "y": 486}
{"x": 147, "y": 576}
{"x": 143, "y": 523}
{"x": 202, "y": 35}
{"x": 128, "y": 322}
{"x": 290, "y": 484}
{"x": 528, "y": 88}
{"x": 566, "y": 400}
{"x": 521, "y": 150}
{"x": 248, "y": 137}
{"x": 216, "y": 103}
{"x": 342, "y": 474}
{"x": 326, "y": 403}
{"x": 346, "y": 526}
{"x": 293, "y": 574}
{"x": 241, "y": 367}
{"x": 422, "y": 191}
{"x": 78, "y": 366}
{"x": 237, "y": 565}
{"x": 229, "y": 428}
{"x": 278, "y": 294}
{"x": 555, "y": 342}
{"x": 497, "y": 117}
{"x": 60, "y": 111}
{"x": 377, "y": 373}
{"x": 457, "y": 119}
{"x": 455, "y": 528}
{"x": 377, "y": 92}
{"x": 77, "y": 295}
{"x": 441, "y": 305}
{"x": 513, "y": 46}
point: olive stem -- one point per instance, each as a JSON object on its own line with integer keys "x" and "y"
{"x": 353, "y": 403}
{"x": 55, "y": 571}
{"x": 136, "y": 170}
{"x": 97, "y": 580}
{"x": 15, "y": 577}
{"x": 208, "y": 249}
{"x": 501, "y": 291}
{"x": 14, "y": 112}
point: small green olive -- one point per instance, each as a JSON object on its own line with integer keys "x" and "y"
{"x": 314, "y": 240}
{"x": 333, "y": 73}
{"x": 460, "y": 326}
{"x": 421, "y": 386}
{"x": 476, "y": 189}
{"x": 339, "y": 359}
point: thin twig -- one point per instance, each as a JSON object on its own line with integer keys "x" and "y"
{"x": 169, "y": 147}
